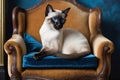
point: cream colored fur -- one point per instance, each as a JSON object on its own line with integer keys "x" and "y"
{"x": 66, "y": 41}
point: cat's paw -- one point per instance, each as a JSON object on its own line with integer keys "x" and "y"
{"x": 36, "y": 56}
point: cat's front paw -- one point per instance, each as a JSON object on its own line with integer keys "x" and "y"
{"x": 36, "y": 56}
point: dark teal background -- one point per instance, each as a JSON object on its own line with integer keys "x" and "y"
{"x": 110, "y": 24}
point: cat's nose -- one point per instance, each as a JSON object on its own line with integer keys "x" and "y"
{"x": 58, "y": 24}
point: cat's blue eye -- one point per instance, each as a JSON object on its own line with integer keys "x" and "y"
{"x": 54, "y": 19}
{"x": 62, "y": 20}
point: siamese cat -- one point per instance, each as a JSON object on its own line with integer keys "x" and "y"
{"x": 58, "y": 41}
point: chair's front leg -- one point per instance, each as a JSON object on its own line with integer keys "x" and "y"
{"x": 16, "y": 77}
{"x": 15, "y": 74}
{"x": 104, "y": 74}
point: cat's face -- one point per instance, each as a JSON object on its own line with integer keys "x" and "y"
{"x": 56, "y": 17}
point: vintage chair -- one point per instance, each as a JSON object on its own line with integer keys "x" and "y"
{"x": 26, "y": 24}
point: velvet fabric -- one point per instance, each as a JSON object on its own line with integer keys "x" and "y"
{"x": 88, "y": 62}
{"x": 31, "y": 43}
{"x": 33, "y": 47}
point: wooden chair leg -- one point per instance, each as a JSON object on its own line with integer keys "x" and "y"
{"x": 16, "y": 77}
{"x": 15, "y": 74}
{"x": 104, "y": 74}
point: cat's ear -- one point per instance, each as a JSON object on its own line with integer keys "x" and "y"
{"x": 49, "y": 9}
{"x": 66, "y": 11}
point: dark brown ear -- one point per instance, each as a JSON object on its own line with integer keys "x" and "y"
{"x": 49, "y": 9}
{"x": 66, "y": 11}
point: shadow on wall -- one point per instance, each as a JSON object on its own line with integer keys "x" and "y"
{"x": 110, "y": 23}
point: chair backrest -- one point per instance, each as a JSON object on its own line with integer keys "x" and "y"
{"x": 78, "y": 17}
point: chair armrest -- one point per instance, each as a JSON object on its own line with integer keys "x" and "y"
{"x": 17, "y": 42}
{"x": 98, "y": 44}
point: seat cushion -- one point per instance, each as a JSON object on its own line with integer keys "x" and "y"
{"x": 88, "y": 61}
{"x": 33, "y": 47}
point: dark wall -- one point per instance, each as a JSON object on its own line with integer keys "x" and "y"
{"x": 10, "y": 4}
{"x": 110, "y": 24}
{"x": 110, "y": 28}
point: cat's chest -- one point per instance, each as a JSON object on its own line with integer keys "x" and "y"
{"x": 50, "y": 39}
{"x": 48, "y": 34}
